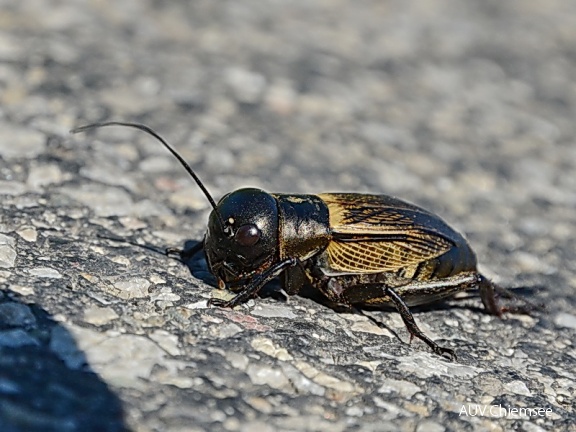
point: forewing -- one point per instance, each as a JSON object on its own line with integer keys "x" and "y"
{"x": 374, "y": 233}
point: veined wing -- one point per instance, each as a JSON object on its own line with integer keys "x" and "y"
{"x": 378, "y": 233}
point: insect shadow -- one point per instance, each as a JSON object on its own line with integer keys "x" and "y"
{"x": 195, "y": 262}
{"x": 189, "y": 256}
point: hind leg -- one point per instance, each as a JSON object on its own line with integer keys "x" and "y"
{"x": 489, "y": 292}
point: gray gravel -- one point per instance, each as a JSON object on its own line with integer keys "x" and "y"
{"x": 466, "y": 108}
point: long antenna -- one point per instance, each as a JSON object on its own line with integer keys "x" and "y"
{"x": 170, "y": 149}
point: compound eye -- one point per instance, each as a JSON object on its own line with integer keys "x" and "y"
{"x": 247, "y": 235}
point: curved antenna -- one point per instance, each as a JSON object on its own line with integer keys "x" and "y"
{"x": 170, "y": 149}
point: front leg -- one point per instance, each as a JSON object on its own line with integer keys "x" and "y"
{"x": 252, "y": 288}
{"x": 184, "y": 254}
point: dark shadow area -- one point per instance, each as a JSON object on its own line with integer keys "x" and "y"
{"x": 190, "y": 255}
{"x": 380, "y": 324}
{"x": 45, "y": 386}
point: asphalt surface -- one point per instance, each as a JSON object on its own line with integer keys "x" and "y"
{"x": 465, "y": 108}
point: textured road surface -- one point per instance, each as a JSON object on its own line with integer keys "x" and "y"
{"x": 466, "y": 108}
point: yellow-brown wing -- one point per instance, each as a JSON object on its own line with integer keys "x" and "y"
{"x": 378, "y": 233}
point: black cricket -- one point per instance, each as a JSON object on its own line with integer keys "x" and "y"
{"x": 356, "y": 249}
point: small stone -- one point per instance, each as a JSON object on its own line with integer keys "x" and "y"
{"x": 232, "y": 424}
{"x": 127, "y": 101}
{"x": 246, "y": 85}
{"x": 421, "y": 410}
{"x": 334, "y": 383}
{"x": 121, "y": 359}
{"x": 22, "y": 290}
{"x": 369, "y": 327}
{"x": 156, "y": 164}
{"x": 132, "y": 223}
{"x": 260, "y": 404}
{"x": 7, "y": 251}
{"x": 104, "y": 200}
{"x": 392, "y": 411}
{"x": 12, "y": 188}
{"x": 274, "y": 311}
{"x": 355, "y": 411}
{"x": 99, "y": 316}
{"x": 302, "y": 384}
{"x": 262, "y": 374}
{"x": 118, "y": 259}
{"x": 45, "y": 272}
{"x": 490, "y": 385}
{"x": 64, "y": 346}
{"x": 425, "y": 365}
{"x": 131, "y": 288}
{"x": 10, "y": 51}
{"x": 404, "y": 388}
{"x": 16, "y": 315}
{"x": 149, "y": 207}
{"x": 9, "y": 387}
{"x": 529, "y": 426}
{"x": 531, "y": 263}
{"x": 165, "y": 295}
{"x": 564, "y": 319}
{"x": 90, "y": 278}
{"x": 20, "y": 142}
{"x": 228, "y": 330}
{"x": 16, "y": 338}
{"x": 518, "y": 387}
{"x": 238, "y": 360}
{"x": 4, "y": 276}
{"x": 370, "y": 365}
{"x": 429, "y": 426}
{"x": 189, "y": 197}
{"x": 266, "y": 346}
{"x": 326, "y": 380}
{"x": 44, "y": 175}
{"x": 175, "y": 380}
{"x": 257, "y": 426}
{"x": 156, "y": 279}
{"x": 167, "y": 341}
{"x": 281, "y": 98}
{"x": 28, "y": 233}
{"x": 202, "y": 304}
